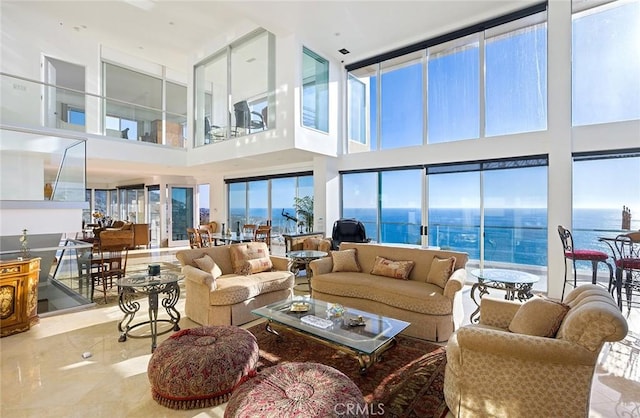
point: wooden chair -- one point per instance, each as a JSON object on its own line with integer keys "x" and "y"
{"x": 206, "y": 240}
{"x": 110, "y": 261}
{"x": 194, "y": 238}
{"x": 263, "y": 234}
{"x": 249, "y": 229}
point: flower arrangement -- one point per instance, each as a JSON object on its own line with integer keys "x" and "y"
{"x": 24, "y": 244}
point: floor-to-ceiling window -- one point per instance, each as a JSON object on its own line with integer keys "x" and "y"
{"x": 387, "y": 202}
{"x": 268, "y": 199}
{"x": 234, "y": 89}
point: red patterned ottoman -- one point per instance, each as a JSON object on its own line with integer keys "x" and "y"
{"x": 297, "y": 390}
{"x": 200, "y": 367}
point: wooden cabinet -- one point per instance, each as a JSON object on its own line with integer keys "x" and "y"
{"x": 18, "y": 295}
{"x": 174, "y": 133}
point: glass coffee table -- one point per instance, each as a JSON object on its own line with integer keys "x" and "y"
{"x": 364, "y": 334}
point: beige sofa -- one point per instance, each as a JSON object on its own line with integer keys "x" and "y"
{"x": 545, "y": 372}
{"x": 433, "y": 311}
{"x": 223, "y": 297}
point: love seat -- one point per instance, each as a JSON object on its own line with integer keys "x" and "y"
{"x": 235, "y": 279}
{"x": 428, "y": 298}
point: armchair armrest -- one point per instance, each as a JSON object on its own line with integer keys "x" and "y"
{"x": 279, "y": 263}
{"x": 455, "y": 283}
{"x": 520, "y": 348}
{"x": 498, "y": 312}
{"x": 321, "y": 266}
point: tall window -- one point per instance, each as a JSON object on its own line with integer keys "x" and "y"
{"x": 259, "y": 200}
{"x": 357, "y": 109}
{"x": 315, "y": 91}
{"x": 388, "y": 203}
{"x": 605, "y": 62}
{"x": 234, "y": 90}
{"x": 135, "y": 108}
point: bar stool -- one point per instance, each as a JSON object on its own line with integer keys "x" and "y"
{"x": 594, "y": 256}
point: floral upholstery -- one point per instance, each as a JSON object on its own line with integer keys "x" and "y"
{"x": 494, "y": 372}
{"x": 200, "y": 367}
{"x": 297, "y": 390}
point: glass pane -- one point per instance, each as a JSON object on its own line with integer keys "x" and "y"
{"x": 606, "y": 64}
{"x": 402, "y": 105}
{"x": 181, "y": 212}
{"x": 360, "y": 200}
{"x": 401, "y": 203}
{"x": 453, "y": 111}
{"x": 237, "y": 204}
{"x": 598, "y": 202}
{"x": 283, "y": 191}
{"x": 516, "y": 80}
{"x": 250, "y": 74}
{"x": 132, "y": 87}
{"x": 454, "y": 212}
{"x": 100, "y": 203}
{"x": 203, "y": 204}
{"x": 212, "y": 112}
{"x": 315, "y": 91}
{"x": 361, "y": 109}
{"x": 258, "y": 195}
{"x": 515, "y": 218}
{"x": 176, "y": 101}
{"x": 154, "y": 215}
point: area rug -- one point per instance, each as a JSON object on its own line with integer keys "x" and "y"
{"x": 407, "y": 382}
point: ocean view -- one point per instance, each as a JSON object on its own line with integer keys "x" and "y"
{"x": 511, "y": 235}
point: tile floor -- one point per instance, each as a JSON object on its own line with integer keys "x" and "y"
{"x": 44, "y": 373}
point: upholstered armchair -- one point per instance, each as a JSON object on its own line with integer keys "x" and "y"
{"x": 499, "y": 368}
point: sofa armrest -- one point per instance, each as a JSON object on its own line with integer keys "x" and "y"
{"x": 321, "y": 266}
{"x": 455, "y": 283}
{"x": 511, "y": 347}
{"x": 199, "y": 277}
{"x": 280, "y": 263}
{"x": 498, "y": 312}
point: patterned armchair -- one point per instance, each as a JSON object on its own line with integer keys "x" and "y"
{"x": 492, "y": 371}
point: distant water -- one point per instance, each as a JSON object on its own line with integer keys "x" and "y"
{"x": 511, "y": 235}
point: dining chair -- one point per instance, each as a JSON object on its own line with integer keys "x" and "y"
{"x": 249, "y": 229}
{"x": 194, "y": 238}
{"x": 110, "y": 262}
{"x": 206, "y": 240}
{"x": 626, "y": 254}
{"x": 593, "y": 256}
{"x": 263, "y": 234}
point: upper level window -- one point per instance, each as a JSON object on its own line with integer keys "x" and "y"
{"x": 234, "y": 90}
{"x": 605, "y": 62}
{"x": 315, "y": 91}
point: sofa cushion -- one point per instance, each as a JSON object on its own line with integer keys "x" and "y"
{"x": 394, "y": 269}
{"x": 539, "y": 316}
{"x": 233, "y": 288}
{"x": 345, "y": 260}
{"x": 242, "y": 254}
{"x": 411, "y": 295}
{"x": 315, "y": 243}
{"x": 206, "y": 263}
{"x": 440, "y": 271}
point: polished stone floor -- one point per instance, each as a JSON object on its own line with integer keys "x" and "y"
{"x": 44, "y": 372}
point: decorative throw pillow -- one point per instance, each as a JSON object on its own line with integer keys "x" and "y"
{"x": 206, "y": 263}
{"x": 393, "y": 269}
{"x": 440, "y": 271}
{"x": 345, "y": 260}
{"x": 539, "y": 316}
{"x": 241, "y": 253}
{"x": 311, "y": 243}
{"x": 325, "y": 245}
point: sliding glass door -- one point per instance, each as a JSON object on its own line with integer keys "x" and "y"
{"x": 181, "y": 214}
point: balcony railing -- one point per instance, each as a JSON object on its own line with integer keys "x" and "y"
{"x": 32, "y": 103}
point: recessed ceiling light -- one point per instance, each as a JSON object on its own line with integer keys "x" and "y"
{"x": 343, "y": 51}
{"x": 251, "y": 59}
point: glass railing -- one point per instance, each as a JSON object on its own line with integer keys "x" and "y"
{"x": 25, "y": 100}
{"x": 35, "y": 165}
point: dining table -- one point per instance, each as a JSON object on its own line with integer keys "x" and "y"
{"x": 233, "y": 238}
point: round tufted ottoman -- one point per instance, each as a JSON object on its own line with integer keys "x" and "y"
{"x": 297, "y": 390}
{"x": 200, "y": 367}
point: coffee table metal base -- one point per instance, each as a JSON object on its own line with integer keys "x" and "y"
{"x": 365, "y": 360}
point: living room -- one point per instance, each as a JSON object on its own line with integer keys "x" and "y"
{"x": 287, "y": 147}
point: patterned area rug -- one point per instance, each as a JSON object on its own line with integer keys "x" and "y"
{"x": 112, "y": 293}
{"x": 407, "y": 382}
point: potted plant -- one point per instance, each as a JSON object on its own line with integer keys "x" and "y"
{"x": 304, "y": 209}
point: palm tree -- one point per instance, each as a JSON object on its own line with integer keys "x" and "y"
{"x": 304, "y": 209}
